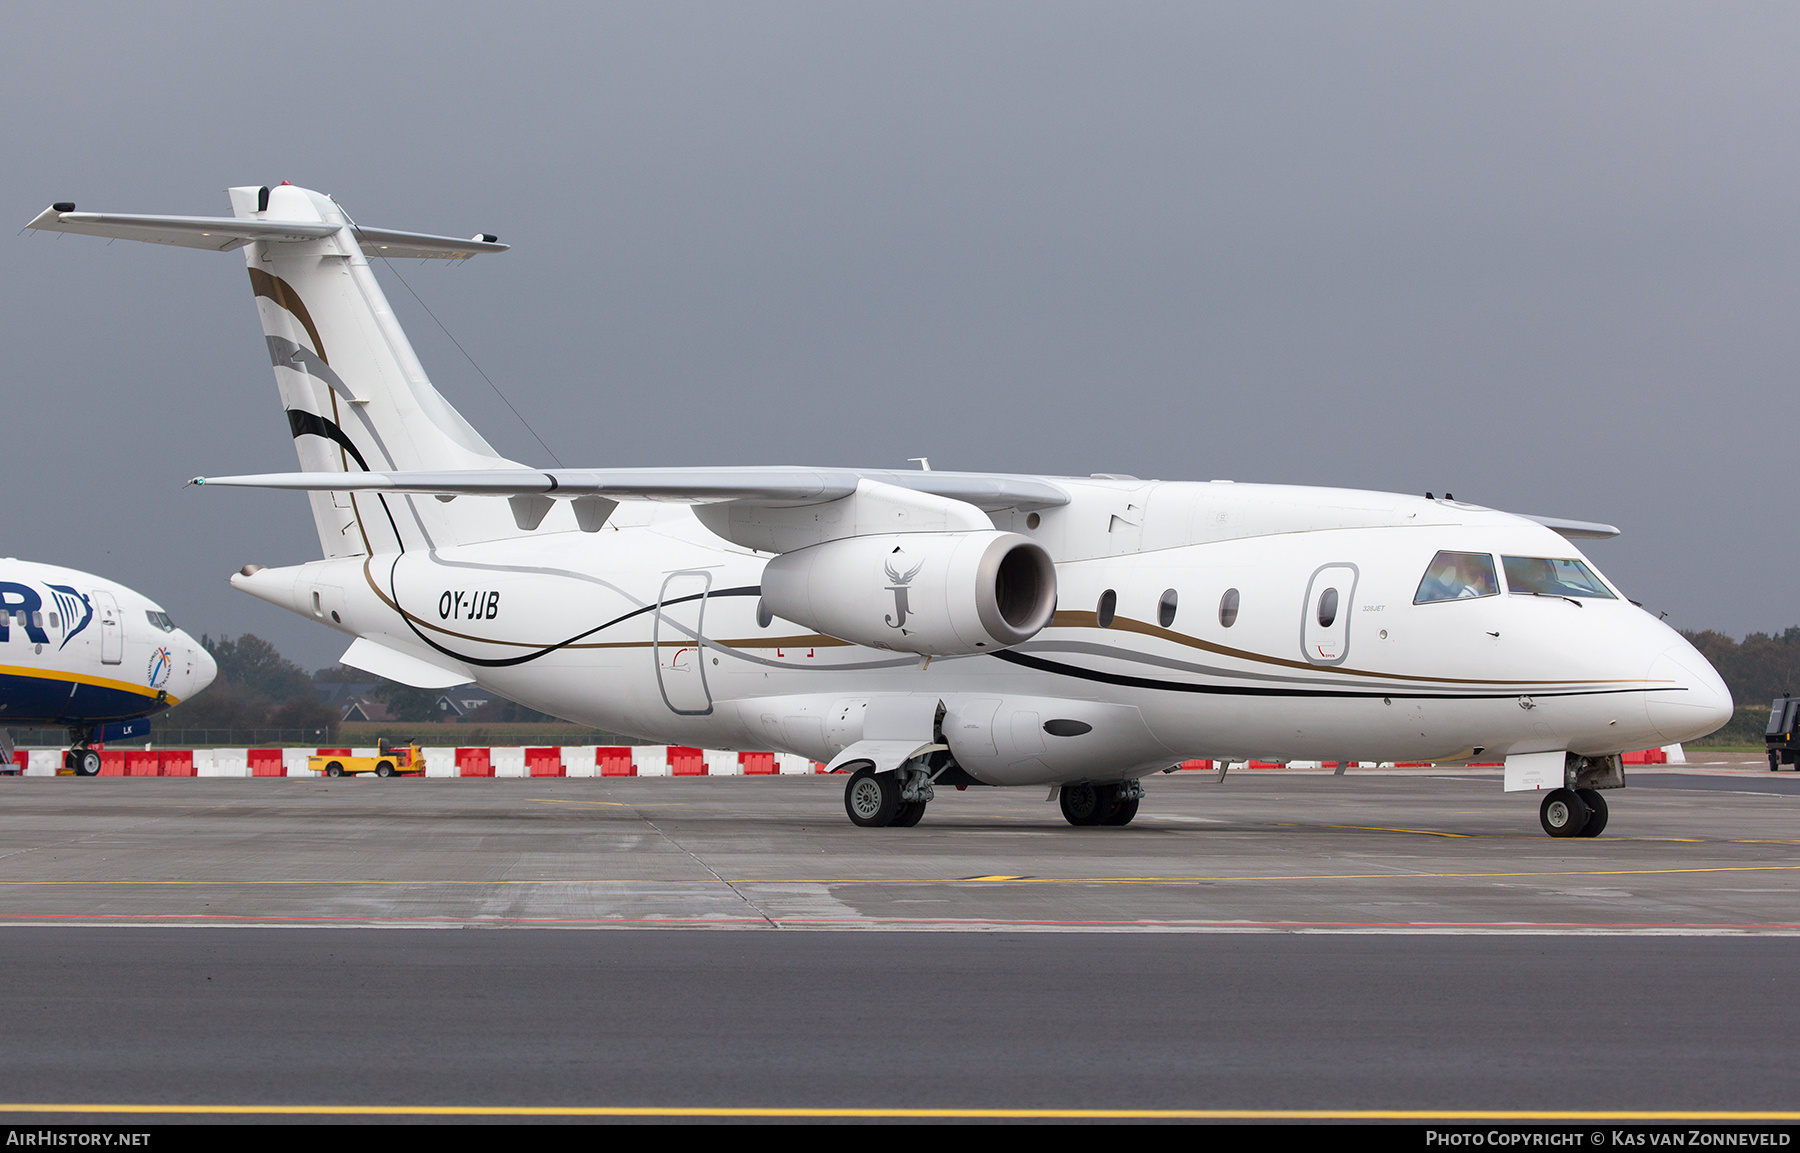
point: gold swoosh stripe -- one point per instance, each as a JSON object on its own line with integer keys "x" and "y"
{"x": 1144, "y": 628}
{"x": 1060, "y": 620}
{"x": 282, "y": 293}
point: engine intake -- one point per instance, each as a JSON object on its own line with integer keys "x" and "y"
{"x": 934, "y": 593}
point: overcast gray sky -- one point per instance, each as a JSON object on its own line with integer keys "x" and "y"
{"x": 1543, "y": 256}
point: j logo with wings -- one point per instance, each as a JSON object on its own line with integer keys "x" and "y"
{"x": 900, "y": 588}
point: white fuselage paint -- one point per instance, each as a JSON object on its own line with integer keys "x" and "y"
{"x": 647, "y": 624}
{"x": 568, "y": 622}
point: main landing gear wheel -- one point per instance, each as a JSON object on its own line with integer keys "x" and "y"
{"x": 85, "y": 762}
{"x": 1122, "y": 814}
{"x": 334, "y": 770}
{"x": 1563, "y": 813}
{"x": 1089, "y": 804}
{"x": 873, "y": 799}
{"x": 908, "y": 814}
{"x": 1596, "y": 807}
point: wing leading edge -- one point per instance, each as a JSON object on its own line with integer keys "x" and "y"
{"x": 764, "y": 486}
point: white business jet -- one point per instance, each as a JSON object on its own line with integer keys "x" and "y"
{"x": 89, "y": 655}
{"x": 920, "y": 628}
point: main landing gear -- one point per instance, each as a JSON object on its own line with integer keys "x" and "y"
{"x": 1573, "y": 813}
{"x": 1112, "y": 804}
{"x": 875, "y": 800}
{"x": 83, "y": 760}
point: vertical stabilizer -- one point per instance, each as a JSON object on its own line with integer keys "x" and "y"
{"x": 354, "y": 393}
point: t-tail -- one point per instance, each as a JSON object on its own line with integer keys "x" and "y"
{"x": 353, "y": 392}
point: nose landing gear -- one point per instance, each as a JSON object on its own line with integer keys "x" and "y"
{"x": 1573, "y": 813}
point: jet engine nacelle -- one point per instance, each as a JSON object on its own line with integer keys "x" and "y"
{"x": 933, "y": 593}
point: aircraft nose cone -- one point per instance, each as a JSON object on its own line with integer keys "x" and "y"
{"x": 1687, "y": 700}
{"x": 205, "y": 668}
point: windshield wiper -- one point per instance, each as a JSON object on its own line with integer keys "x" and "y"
{"x": 1555, "y": 596}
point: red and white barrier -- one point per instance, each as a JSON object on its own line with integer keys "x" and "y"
{"x": 568, "y": 761}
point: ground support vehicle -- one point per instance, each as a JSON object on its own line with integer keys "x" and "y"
{"x": 1783, "y": 736}
{"x": 391, "y": 760}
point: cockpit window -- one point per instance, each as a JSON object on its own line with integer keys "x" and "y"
{"x": 1455, "y": 576}
{"x": 1552, "y": 577}
{"x": 160, "y": 620}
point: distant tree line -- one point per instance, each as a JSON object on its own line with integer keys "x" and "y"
{"x": 257, "y": 688}
{"x": 1758, "y": 668}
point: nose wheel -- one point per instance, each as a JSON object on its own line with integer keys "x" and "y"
{"x": 1573, "y": 813}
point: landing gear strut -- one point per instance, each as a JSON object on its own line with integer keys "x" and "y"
{"x": 1114, "y": 804}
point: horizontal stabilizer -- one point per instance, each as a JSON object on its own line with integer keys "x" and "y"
{"x": 1574, "y": 529}
{"x": 395, "y": 665}
{"x": 225, "y": 233}
{"x": 773, "y": 486}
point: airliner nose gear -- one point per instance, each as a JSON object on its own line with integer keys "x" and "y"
{"x": 1596, "y": 807}
{"x": 1564, "y": 812}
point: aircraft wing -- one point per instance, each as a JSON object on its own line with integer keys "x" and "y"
{"x": 775, "y": 486}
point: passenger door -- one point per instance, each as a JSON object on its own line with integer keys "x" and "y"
{"x": 678, "y": 641}
{"x": 1325, "y": 630}
{"x": 112, "y": 628}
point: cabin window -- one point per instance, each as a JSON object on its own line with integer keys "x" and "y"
{"x": 763, "y": 615}
{"x": 1108, "y": 606}
{"x": 1328, "y": 606}
{"x": 1228, "y": 608}
{"x": 1165, "y": 608}
{"x": 1454, "y": 576}
{"x": 1552, "y": 577}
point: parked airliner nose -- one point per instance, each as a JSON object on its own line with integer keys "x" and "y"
{"x": 205, "y": 668}
{"x": 1687, "y": 700}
